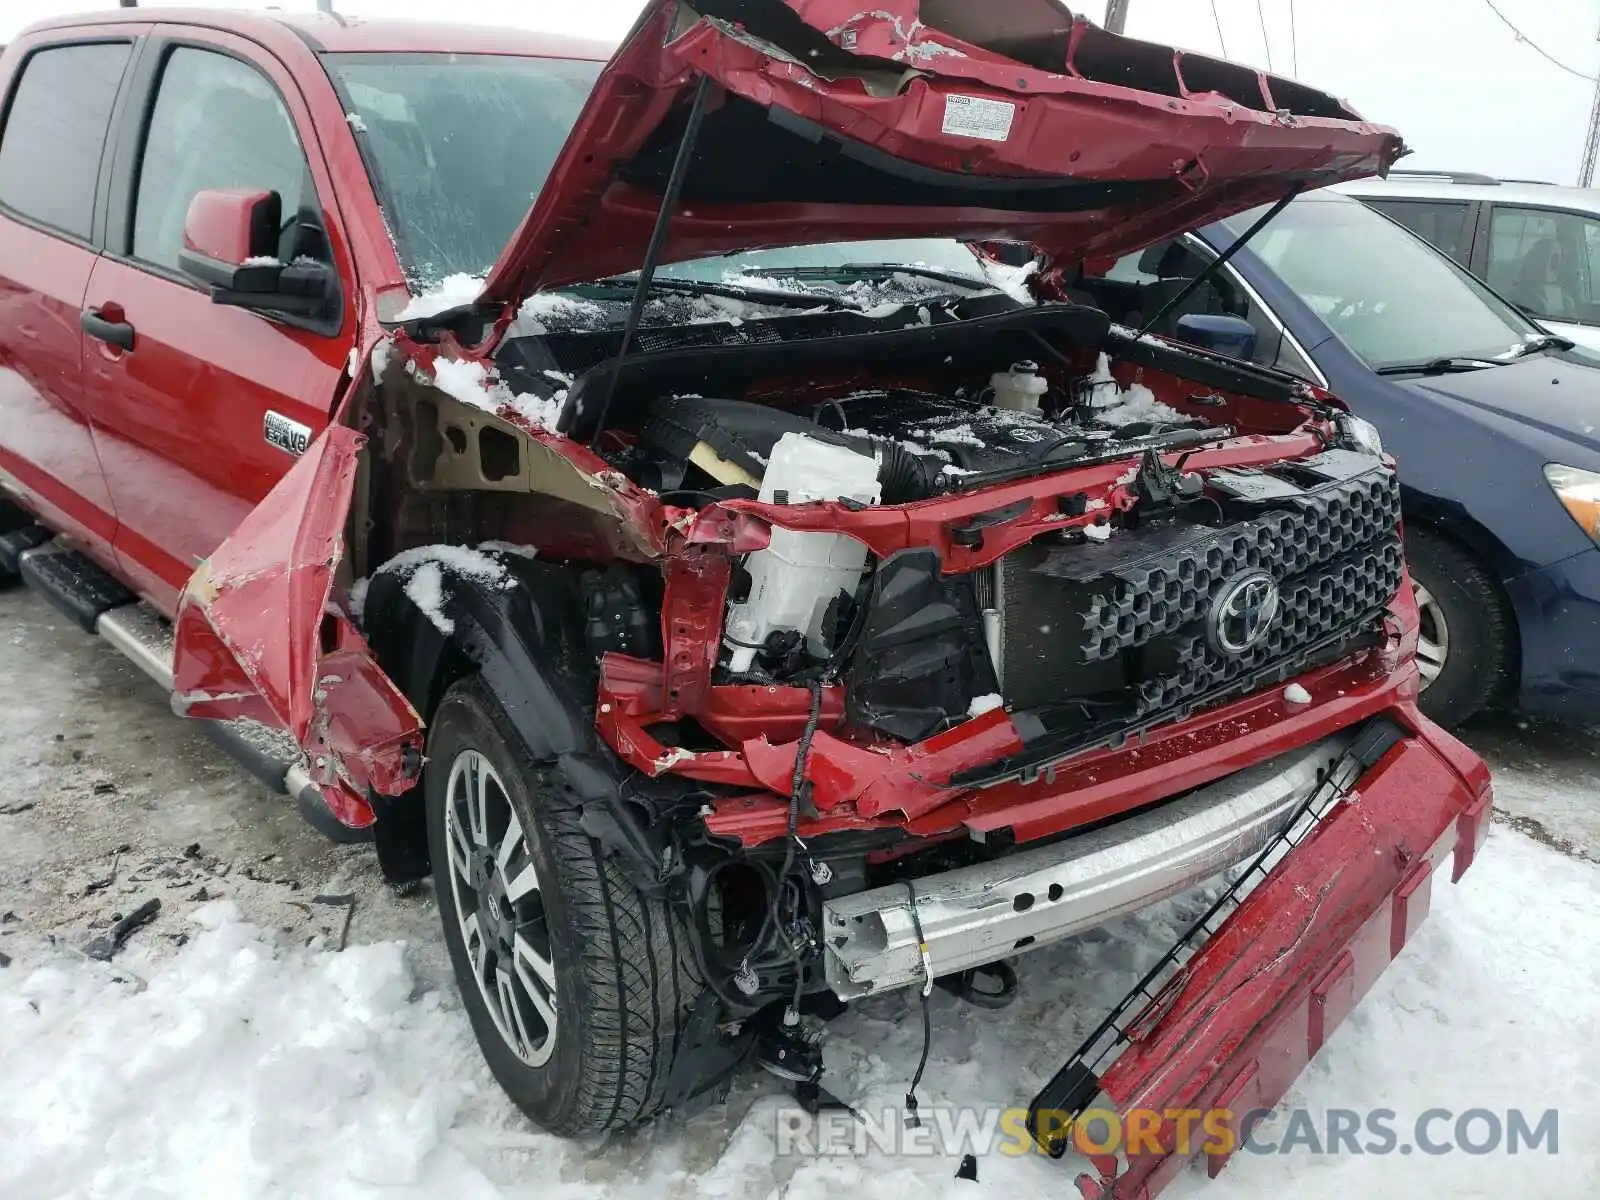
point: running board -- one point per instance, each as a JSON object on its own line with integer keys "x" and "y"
{"x": 144, "y": 637}
{"x": 14, "y": 541}
{"x": 74, "y": 585}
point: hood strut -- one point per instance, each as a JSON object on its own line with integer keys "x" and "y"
{"x": 1220, "y": 261}
{"x": 652, "y": 252}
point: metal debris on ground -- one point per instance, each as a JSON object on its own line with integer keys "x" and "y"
{"x": 106, "y": 945}
{"x": 100, "y": 885}
{"x": 345, "y": 900}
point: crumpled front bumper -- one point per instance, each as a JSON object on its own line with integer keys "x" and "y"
{"x": 1239, "y": 1021}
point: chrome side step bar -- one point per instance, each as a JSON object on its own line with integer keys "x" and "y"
{"x": 982, "y": 914}
{"x": 139, "y": 633}
{"x": 140, "y": 636}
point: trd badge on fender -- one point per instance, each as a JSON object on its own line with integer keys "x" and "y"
{"x": 287, "y": 435}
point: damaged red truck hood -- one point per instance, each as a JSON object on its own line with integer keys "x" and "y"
{"x": 830, "y": 121}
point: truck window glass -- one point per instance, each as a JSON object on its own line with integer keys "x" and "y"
{"x": 1443, "y": 223}
{"x": 217, "y": 123}
{"x": 458, "y": 146}
{"x": 55, "y": 131}
{"x": 1542, "y": 261}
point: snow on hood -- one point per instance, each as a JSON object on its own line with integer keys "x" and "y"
{"x": 454, "y": 291}
{"x": 1010, "y": 120}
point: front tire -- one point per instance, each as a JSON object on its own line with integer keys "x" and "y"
{"x": 1464, "y": 653}
{"x": 577, "y": 986}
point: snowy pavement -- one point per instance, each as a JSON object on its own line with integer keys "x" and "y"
{"x": 231, "y": 1052}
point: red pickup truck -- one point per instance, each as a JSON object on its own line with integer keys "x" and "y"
{"x": 649, "y": 515}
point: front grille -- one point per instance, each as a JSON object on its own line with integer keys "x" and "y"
{"x": 1125, "y": 621}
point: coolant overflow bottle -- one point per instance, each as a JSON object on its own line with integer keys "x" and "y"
{"x": 1020, "y": 388}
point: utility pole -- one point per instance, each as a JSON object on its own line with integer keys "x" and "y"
{"x": 1116, "y": 15}
{"x": 1591, "y": 140}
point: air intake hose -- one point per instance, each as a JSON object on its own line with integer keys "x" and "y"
{"x": 905, "y": 476}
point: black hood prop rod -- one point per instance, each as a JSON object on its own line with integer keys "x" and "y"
{"x": 652, "y": 253}
{"x": 1221, "y": 260}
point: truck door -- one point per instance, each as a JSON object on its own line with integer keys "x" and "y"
{"x": 184, "y": 393}
{"x": 61, "y": 96}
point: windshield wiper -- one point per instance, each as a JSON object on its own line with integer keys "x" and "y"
{"x": 851, "y": 272}
{"x": 1439, "y": 366}
{"x": 625, "y": 285}
{"x": 1545, "y": 341}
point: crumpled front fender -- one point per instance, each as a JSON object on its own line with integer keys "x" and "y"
{"x": 258, "y": 636}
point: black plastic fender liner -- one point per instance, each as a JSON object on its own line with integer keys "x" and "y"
{"x": 528, "y": 644}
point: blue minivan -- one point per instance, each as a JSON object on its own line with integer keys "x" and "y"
{"x": 1495, "y": 423}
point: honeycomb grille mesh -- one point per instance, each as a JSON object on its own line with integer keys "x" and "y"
{"x": 1146, "y": 602}
{"x": 1334, "y": 552}
{"x": 1311, "y": 609}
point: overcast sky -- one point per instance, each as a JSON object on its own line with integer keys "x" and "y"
{"x": 1453, "y": 79}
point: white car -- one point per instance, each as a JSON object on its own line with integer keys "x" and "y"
{"x": 1536, "y": 244}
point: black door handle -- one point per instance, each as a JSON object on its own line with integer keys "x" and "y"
{"x": 117, "y": 333}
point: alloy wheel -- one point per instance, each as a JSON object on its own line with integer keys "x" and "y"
{"x": 500, "y": 906}
{"x": 1433, "y": 642}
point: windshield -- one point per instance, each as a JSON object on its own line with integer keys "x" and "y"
{"x": 823, "y": 263}
{"x": 874, "y": 278}
{"x": 458, "y": 146}
{"x": 1388, "y": 295}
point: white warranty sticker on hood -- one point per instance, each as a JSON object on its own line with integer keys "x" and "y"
{"x": 979, "y": 117}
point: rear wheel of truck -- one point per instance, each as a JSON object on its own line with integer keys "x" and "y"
{"x": 577, "y": 986}
{"x": 1464, "y": 646}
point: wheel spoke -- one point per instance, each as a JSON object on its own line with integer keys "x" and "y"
{"x": 523, "y": 885}
{"x": 477, "y": 951}
{"x": 477, "y": 781}
{"x": 460, "y": 853}
{"x": 543, "y": 1002}
{"x": 510, "y": 1011}
{"x": 543, "y": 969}
{"x": 509, "y": 843}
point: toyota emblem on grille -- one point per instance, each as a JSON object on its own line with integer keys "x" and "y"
{"x": 1242, "y": 613}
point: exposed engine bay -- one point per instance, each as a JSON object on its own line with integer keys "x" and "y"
{"x": 1083, "y": 632}
{"x": 872, "y": 594}
{"x": 929, "y": 527}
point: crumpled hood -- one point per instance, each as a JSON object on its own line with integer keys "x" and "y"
{"x": 999, "y": 120}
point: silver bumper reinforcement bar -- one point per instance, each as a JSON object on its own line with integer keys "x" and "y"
{"x": 981, "y": 914}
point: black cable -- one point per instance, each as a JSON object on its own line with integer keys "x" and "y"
{"x": 1294, "y": 40}
{"x": 1536, "y": 48}
{"x": 1221, "y": 41}
{"x": 927, "y": 1018}
{"x": 773, "y": 921}
{"x": 1265, "y": 40}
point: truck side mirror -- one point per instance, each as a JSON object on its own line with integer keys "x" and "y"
{"x": 230, "y": 244}
{"x": 1233, "y": 336}
{"x": 230, "y": 238}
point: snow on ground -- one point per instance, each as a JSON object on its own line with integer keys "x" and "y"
{"x": 245, "y": 1067}
{"x": 232, "y": 1051}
